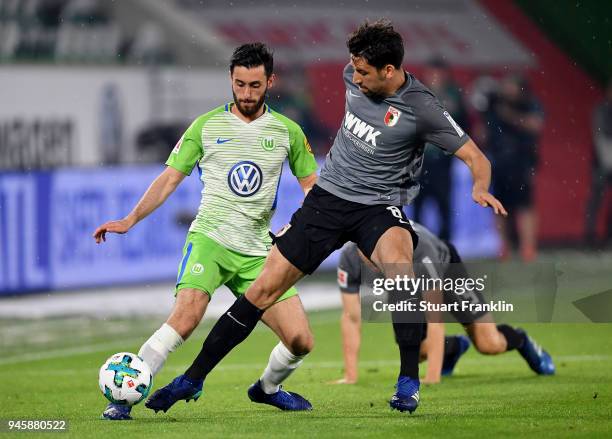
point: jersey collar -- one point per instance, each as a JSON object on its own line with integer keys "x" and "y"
{"x": 229, "y": 105}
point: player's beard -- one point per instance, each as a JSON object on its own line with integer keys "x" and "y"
{"x": 371, "y": 94}
{"x": 377, "y": 93}
{"x": 252, "y": 109}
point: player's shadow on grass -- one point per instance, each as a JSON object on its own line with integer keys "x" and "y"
{"x": 378, "y": 411}
{"x": 383, "y": 413}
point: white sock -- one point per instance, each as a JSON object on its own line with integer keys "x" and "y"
{"x": 282, "y": 363}
{"x": 155, "y": 350}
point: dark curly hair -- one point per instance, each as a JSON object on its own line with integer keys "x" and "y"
{"x": 253, "y": 55}
{"x": 378, "y": 43}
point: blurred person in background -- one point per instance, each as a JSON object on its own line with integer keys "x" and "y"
{"x": 436, "y": 177}
{"x": 434, "y": 258}
{"x": 111, "y": 125}
{"x": 602, "y": 170}
{"x": 149, "y": 46}
{"x": 514, "y": 124}
{"x": 292, "y": 98}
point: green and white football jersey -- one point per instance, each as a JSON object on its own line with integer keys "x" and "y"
{"x": 240, "y": 165}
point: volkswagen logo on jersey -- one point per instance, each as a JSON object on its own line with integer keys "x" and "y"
{"x": 244, "y": 179}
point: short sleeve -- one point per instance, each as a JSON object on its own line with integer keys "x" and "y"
{"x": 349, "y": 270}
{"x": 301, "y": 159}
{"x": 427, "y": 261}
{"x": 347, "y": 76}
{"x": 188, "y": 150}
{"x": 437, "y": 126}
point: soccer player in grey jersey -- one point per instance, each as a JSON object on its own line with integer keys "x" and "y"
{"x": 369, "y": 173}
{"x": 432, "y": 256}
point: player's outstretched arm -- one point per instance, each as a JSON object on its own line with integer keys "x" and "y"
{"x": 433, "y": 345}
{"x": 156, "y": 194}
{"x": 480, "y": 167}
{"x": 350, "y": 325}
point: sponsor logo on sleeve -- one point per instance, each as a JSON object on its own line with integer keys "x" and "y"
{"x": 342, "y": 278}
{"x": 177, "y": 147}
{"x": 456, "y": 126}
{"x": 308, "y": 147}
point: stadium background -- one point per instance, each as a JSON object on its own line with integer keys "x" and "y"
{"x": 93, "y": 96}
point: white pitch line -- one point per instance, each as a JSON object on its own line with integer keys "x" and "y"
{"x": 154, "y": 300}
{"x": 59, "y": 353}
{"x": 317, "y": 365}
{"x": 91, "y": 348}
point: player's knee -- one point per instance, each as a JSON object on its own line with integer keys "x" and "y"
{"x": 263, "y": 293}
{"x": 488, "y": 345}
{"x": 188, "y": 312}
{"x": 397, "y": 254}
{"x": 398, "y": 258}
{"x": 185, "y": 325}
{"x": 352, "y": 317}
{"x": 301, "y": 344}
{"x": 398, "y": 264}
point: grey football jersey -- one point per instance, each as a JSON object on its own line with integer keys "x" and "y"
{"x": 377, "y": 155}
{"x": 430, "y": 254}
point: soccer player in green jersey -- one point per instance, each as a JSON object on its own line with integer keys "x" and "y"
{"x": 239, "y": 149}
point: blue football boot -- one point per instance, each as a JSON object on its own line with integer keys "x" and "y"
{"x": 406, "y": 396}
{"x": 537, "y": 358}
{"x": 282, "y": 399}
{"x": 181, "y": 388}
{"x": 450, "y": 361}
{"x": 116, "y": 412}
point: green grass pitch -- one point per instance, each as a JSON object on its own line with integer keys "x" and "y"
{"x": 48, "y": 370}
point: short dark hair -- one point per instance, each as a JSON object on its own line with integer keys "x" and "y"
{"x": 378, "y": 43}
{"x": 252, "y": 55}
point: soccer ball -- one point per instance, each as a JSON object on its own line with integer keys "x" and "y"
{"x": 125, "y": 379}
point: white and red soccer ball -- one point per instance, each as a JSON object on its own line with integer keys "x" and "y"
{"x": 125, "y": 379}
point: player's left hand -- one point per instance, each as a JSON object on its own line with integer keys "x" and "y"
{"x": 485, "y": 199}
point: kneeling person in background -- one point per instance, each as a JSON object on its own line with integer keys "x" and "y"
{"x": 441, "y": 352}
